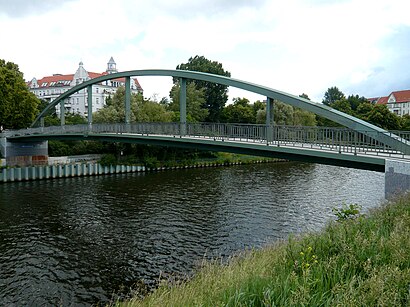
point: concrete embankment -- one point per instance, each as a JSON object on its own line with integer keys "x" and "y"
{"x": 88, "y": 169}
{"x": 63, "y": 171}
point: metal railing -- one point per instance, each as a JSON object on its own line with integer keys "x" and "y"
{"x": 342, "y": 140}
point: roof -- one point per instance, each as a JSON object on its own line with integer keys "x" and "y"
{"x": 378, "y": 100}
{"x": 65, "y": 80}
{"x": 382, "y": 100}
{"x": 401, "y": 96}
{"x": 54, "y": 80}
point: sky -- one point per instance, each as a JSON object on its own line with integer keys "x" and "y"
{"x": 295, "y": 46}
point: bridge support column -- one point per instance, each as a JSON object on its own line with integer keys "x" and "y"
{"x": 397, "y": 178}
{"x": 127, "y": 100}
{"x": 62, "y": 113}
{"x": 90, "y": 105}
{"x": 182, "y": 105}
{"x": 269, "y": 119}
{"x": 24, "y": 153}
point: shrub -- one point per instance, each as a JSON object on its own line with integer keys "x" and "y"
{"x": 347, "y": 212}
{"x": 107, "y": 160}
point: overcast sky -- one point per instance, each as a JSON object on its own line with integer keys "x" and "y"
{"x": 296, "y": 46}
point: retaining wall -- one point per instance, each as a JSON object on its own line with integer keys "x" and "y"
{"x": 89, "y": 169}
{"x": 63, "y": 171}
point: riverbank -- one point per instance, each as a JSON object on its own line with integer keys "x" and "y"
{"x": 54, "y": 171}
{"x": 363, "y": 261}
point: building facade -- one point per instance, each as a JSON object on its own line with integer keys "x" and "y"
{"x": 50, "y": 87}
{"x": 397, "y": 102}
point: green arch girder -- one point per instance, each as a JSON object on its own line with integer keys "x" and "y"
{"x": 344, "y": 119}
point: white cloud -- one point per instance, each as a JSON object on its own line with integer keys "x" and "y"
{"x": 295, "y": 46}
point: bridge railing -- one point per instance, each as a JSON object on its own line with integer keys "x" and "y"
{"x": 323, "y": 138}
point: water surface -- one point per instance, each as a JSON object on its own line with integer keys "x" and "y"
{"x": 80, "y": 241}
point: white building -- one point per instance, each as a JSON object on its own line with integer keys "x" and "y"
{"x": 50, "y": 87}
{"x": 397, "y": 102}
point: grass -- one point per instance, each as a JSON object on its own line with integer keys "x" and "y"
{"x": 357, "y": 261}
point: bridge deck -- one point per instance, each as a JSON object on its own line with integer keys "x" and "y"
{"x": 335, "y": 146}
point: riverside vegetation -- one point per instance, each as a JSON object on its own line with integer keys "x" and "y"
{"x": 356, "y": 260}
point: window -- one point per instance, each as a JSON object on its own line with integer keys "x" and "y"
{"x": 97, "y": 100}
{"x": 44, "y": 84}
{"x": 96, "y": 90}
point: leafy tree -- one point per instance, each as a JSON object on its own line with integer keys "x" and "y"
{"x": 239, "y": 112}
{"x": 216, "y": 95}
{"x": 332, "y": 95}
{"x": 195, "y": 100}
{"x": 364, "y": 109}
{"x": 282, "y": 113}
{"x": 336, "y": 99}
{"x": 18, "y": 106}
{"x": 382, "y": 117}
{"x": 342, "y": 105}
{"x": 405, "y": 122}
{"x": 142, "y": 110}
{"x": 150, "y": 111}
{"x": 257, "y": 106}
{"x": 355, "y": 101}
{"x": 303, "y": 118}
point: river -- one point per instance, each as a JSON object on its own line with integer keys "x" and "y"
{"x": 89, "y": 240}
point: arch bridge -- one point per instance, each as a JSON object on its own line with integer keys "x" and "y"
{"x": 359, "y": 145}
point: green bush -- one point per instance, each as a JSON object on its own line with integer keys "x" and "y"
{"x": 151, "y": 162}
{"x": 347, "y": 212}
{"x": 107, "y": 160}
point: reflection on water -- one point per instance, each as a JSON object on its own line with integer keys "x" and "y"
{"x": 77, "y": 241}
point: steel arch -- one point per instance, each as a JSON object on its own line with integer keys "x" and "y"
{"x": 344, "y": 119}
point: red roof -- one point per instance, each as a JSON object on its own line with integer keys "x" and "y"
{"x": 382, "y": 100}
{"x": 401, "y": 96}
{"x": 56, "y": 78}
{"x": 94, "y": 75}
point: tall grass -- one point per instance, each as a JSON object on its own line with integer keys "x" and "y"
{"x": 353, "y": 262}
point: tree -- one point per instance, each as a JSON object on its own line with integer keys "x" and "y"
{"x": 381, "y": 116}
{"x": 150, "y": 111}
{"x": 364, "y": 109}
{"x": 18, "y": 106}
{"x": 239, "y": 112}
{"x": 302, "y": 117}
{"x": 355, "y": 101}
{"x": 216, "y": 95}
{"x": 142, "y": 110}
{"x": 195, "y": 101}
{"x": 405, "y": 122}
{"x": 342, "y": 105}
{"x": 332, "y": 95}
{"x": 284, "y": 114}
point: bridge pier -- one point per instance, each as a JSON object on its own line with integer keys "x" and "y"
{"x": 18, "y": 153}
{"x": 397, "y": 178}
